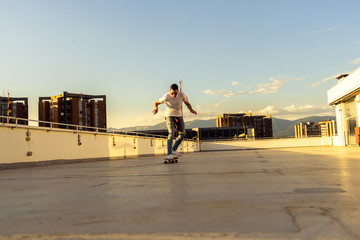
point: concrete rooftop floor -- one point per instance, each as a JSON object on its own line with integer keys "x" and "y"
{"x": 297, "y": 193}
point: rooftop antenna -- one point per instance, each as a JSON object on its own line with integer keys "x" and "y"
{"x": 8, "y": 107}
{"x": 180, "y": 82}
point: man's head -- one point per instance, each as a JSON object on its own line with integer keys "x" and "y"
{"x": 174, "y": 90}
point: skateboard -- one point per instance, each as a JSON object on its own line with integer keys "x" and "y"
{"x": 174, "y": 160}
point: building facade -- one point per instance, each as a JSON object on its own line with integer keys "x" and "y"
{"x": 76, "y": 109}
{"x": 261, "y": 125}
{"x": 328, "y": 128}
{"x": 307, "y": 129}
{"x": 311, "y": 129}
{"x": 14, "y": 107}
{"x": 345, "y": 98}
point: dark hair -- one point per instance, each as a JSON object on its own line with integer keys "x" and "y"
{"x": 174, "y": 87}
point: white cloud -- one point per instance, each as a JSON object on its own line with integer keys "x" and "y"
{"x": 268, "y": 88}
{"x": 225, "y": 93}
{"x": 355, "y": 61}
{"x": 330, "y": 29}
{"x": 235, "y": 83}
{"x": 265, "y": 88}
{"x": 324, "y": 80}
{"x": 293, "y": 109}
{"x": 357, "y": 42}
{"x": 293, "y": 112}
{"x": 284, "y": 78}
{"x": 269, "y": 110}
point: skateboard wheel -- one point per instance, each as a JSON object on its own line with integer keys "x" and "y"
{"x": 176, "y": 160}
{"x": 165, "y": 162}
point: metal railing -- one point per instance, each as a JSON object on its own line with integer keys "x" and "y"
{"x": 13, "y": 122}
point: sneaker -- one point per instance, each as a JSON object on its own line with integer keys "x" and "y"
{"x": 176, "y": 154}
{"x": 169, "y": 157}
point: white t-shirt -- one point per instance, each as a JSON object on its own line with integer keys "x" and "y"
{"x": 173, "y": 104}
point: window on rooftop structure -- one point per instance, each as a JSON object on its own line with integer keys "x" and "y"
{"x": 351, "y": 120}
{"x": 350, "y": 109}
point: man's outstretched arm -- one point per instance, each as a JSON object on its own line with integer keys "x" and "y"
{"x": 190, "y": 108}
{"x": 156, "y": 109}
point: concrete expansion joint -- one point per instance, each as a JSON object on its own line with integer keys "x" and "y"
{"x": 336, "y": 221}
{"x": 312, "y": 220}
{"x": 273, "y": 172}
{"x": 290, "y": 212}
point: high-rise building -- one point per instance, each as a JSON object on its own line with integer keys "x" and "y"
{"x": 262, "y": 124}
{"x": 76, "y": 109}
{"x": 328, "y": 128}
{"x": 307, "y": 129}
{"x": 14, "y": 107}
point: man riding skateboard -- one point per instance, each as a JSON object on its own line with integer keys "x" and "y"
{"x": 174, "y": 118}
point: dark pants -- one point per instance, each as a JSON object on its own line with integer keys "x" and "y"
{"x": 171, "y": 122}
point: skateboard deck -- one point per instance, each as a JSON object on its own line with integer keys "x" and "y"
{"x": 174, "y": 160}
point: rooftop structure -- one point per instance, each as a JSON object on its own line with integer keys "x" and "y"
{"x": 345, "y": 98}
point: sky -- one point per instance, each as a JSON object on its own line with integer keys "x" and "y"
{"x": 276, "y": 57}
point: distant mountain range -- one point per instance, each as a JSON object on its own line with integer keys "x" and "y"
{"x": 281, "y": 127}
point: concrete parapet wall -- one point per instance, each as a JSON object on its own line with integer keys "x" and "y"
{"x": 36, "y": 144}
{"x": 268, "y": 143}
{"x": 27, "y": 145}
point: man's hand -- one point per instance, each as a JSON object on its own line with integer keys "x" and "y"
{"x": 190, "y": 108}
{"x": 193, "y": 111}
{"x": 156, "y": 104}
